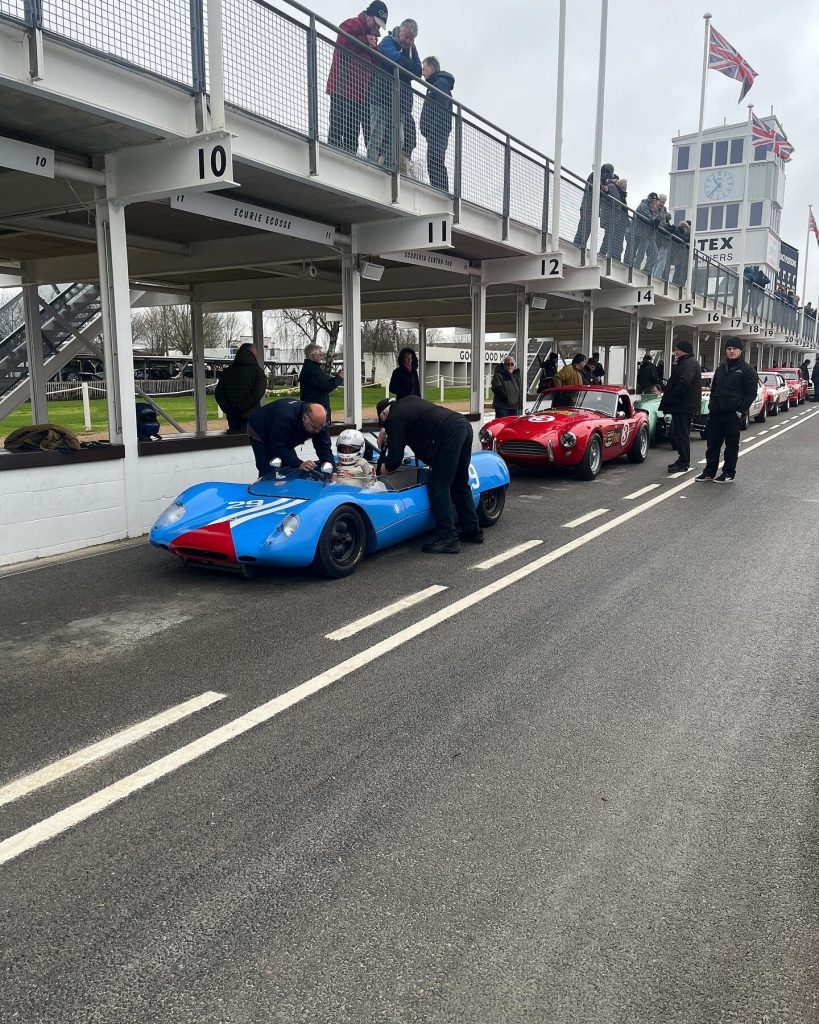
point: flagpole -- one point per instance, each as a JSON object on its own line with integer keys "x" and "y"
{"x": 598, "y": 131}
{"x": 707, "y": 18}
{"x": 805, "y": 277}
{"x": 554, "y": 230}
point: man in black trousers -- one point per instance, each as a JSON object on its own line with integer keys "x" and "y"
{"x": 682, "y": 398}
{"x": 733, "y": 390}
{"x": 442, "y": 439}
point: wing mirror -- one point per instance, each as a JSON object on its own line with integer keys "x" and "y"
{"x": 327, "y": 469}
{"x": 276, "y": 464}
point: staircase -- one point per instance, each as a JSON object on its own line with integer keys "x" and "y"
{"x": 535, "y": 361}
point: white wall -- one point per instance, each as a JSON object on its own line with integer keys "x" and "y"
{"x": 63, "y": 508}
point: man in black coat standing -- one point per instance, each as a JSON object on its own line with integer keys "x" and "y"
{"x": 241, "y": 388}
{"x": 733, "y": 389}
{"x": 442, "y": 439}
{"x": 815, "y": 378}
{"x": 314, "y": 384}
{"x": 277, "y": 429}
{"x": 682, "y": 398}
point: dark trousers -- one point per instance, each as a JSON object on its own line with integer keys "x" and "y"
{"x": 505, "y": 410}
{"x": 261, "y": 457}
{"x": 722, "y": 428}
{"x": 436, "y": 166}
{"x": 581, "y": 236}
{"x": 448, "y": 484}
{"x": 236, "y": 424}
{"x": 347, "y": 119}
{"x": 681, "y": 437}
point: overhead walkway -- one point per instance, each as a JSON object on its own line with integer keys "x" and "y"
{"x": 196, "y": 155}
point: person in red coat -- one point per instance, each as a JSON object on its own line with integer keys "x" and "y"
{"x": 348, "y": 83}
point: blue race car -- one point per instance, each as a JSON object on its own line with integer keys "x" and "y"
{"x": 297, "y": 518}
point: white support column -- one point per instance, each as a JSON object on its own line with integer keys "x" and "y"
{"x": 717, "y": 350}
{"x": 351, "y": 313}
{"x": 34, "y": 350}
{"x": 422, "y": 356}
{"x": 630, "y": 369}
{"x": 588, "y": 328}
{"x": 477, "y": 294}
{"x": 115, "y": 290}
{"x": 668, "y": 347}
{"x": 695, "y": 341}
{"x": 522, "y": 343}
{"x": 200, "y": 395}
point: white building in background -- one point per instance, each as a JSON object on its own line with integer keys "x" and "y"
{"x": 738, "y": 208}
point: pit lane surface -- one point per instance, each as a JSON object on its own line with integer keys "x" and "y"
{"x": 587, "y": 796}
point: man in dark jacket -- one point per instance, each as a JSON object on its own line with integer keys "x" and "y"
{"x": 442, "y": 439}
{"x": 648, "y": 377}
{"x": 314, "y": 384}
{"x": 547, "y": 376}
{"x": 506, "y": 389}
{"x": 803, "y": 369}
{"x": 607, "y": 174}
{"x": 348, "y": 83}
{"x": 682, "y": 398}
{"x": 277, "y": 429}
{"x": 404, "y": 380}
{"x": 815, "y": 378}
{"x": 241, "y": 388}
{"x": 733, "y": 389}
{"x": 436, "y": 121}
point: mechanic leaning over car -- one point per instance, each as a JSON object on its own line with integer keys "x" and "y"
{"x": 442, "y": 439}
{"x": 733, "y": 391}
{"x": 277, "y": 429}
{"x": 682, "y": 398}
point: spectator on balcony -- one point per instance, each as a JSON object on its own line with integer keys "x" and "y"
{"x": 678, "y": 251}
{"x": 436, "y": 121}
{"x": 404, "y": 380}
{"x": 662, "y": 237}
{"x": 614, "y": 219}
{"x": 572, "y": 373}
{"x": 399, "y": 47}
{"x": 314, "y": 384}
{"x": 640, "y": 246}
{"x": 348, "y": 83}
{"x": 241, "y": 389}
{"x": 810, "y": 311}
{"x": 607, "y": 174}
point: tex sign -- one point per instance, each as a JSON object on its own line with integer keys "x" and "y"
{"x": 721, "y": 248}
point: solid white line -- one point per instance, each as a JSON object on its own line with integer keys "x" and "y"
{"x": 80, "y": 758}
{"x": 584, "y": 519}
{"x": 384, "y": 613}
{"x": 641, "y": 492}
{"x": 505, "y": 555}
{"x": 57, "y": 823}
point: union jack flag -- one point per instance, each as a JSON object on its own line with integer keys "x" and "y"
{"x": 723, "y": 57}
{"x": 761, "y": 135}
{"x": 813, "y": 227}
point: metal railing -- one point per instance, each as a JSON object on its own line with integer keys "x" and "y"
{"x": 289, "y": 67}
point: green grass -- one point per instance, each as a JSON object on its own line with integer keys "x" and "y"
{"x": 70, "y": 415}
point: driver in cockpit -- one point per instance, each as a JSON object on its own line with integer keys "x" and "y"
{"x": 352, "y": 463}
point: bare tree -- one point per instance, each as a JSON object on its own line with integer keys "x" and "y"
{"x": 383, "y": 337}
{"x": 163, "y": 329}
{"x": 302, "y": 327}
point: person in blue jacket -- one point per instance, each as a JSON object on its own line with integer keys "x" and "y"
{"x": 399, "y": 47}
{"x": 277, "y": 429}
{"x": 436, "y": 121}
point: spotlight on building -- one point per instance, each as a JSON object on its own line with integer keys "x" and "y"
{"x": 371, "y": 271}
{"x": 649, "y": 324}
{"x": 537, "y": 301}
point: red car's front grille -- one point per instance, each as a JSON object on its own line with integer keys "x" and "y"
{"x": 211, "y": 556}
{"x": 522, "y": 448}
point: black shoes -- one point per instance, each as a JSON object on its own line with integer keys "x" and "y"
{"x": 677, "y": 467}
{"x": 724, "y": 478}
{"x": 473, "y": 537}
{"x": 441, "y": 546}
{"x": 704, "y": 478}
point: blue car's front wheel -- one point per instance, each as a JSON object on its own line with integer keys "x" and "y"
{"x": 341, "y": 545}
{"x": 490, "y": 506}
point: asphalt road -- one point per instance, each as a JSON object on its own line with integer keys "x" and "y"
{"x": 578, "y": 786}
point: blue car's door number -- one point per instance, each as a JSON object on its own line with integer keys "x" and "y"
{"x": 236, "y": 505}
{"x": 474, "y": 479}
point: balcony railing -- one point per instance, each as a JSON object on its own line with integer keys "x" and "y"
{"x": 284, "y": 65}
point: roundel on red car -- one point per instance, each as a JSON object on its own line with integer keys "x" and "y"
{"x": 626, "y": 433}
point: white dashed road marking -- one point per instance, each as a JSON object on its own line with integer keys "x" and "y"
{"x": 641, "y": 492}
{"x": 584, "y": 519}
{"x": 505, "y": 555}
{"x": 384, "y": 613}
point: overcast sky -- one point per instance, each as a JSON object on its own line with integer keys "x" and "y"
{"x": 504, "y": 58}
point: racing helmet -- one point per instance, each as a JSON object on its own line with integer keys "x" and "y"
{"x": 350, "y": 447}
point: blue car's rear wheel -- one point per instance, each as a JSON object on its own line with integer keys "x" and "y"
{"x": 341, "y": 545}
{"x": 490, "y": 506}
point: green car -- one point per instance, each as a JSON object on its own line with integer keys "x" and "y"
{"x": 659, "y": 423}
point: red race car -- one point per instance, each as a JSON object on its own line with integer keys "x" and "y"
{"x": 577, "y": 427}
{"x": 778, "y": 394}
{"x": 797, "y": 385}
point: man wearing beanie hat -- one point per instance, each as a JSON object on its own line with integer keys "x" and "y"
{"x": 733, "y": 389}
{"x": 443, "y": 439}
{"x": 351, "y": 71}
{"x": 682, "y": 398}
